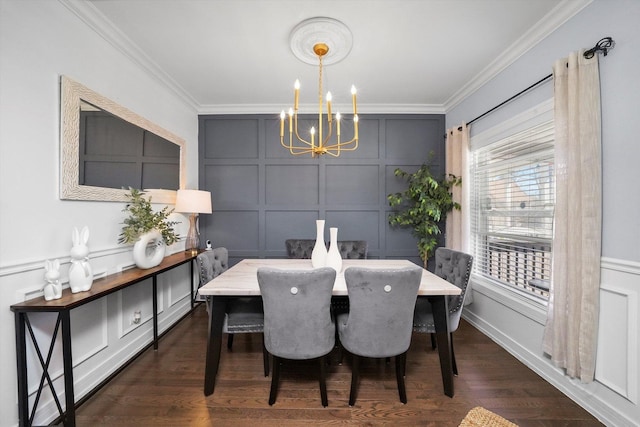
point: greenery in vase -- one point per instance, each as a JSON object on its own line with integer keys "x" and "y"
{"x": 143, "y": 219}
{"x": 422, "y": 205}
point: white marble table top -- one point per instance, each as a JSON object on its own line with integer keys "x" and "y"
{"x": 242, "y": 279}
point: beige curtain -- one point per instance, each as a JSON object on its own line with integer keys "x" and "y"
{"x": 570, "y": 335}
{"x": 457, "y": 153}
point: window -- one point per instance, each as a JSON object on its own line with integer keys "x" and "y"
{"x": 512, "y": 203}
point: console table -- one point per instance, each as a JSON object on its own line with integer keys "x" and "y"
{"x": 100, "y": 288}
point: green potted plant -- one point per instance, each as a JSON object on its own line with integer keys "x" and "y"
{"x": 422, "y": 205}
{"x": 149, "y": 231}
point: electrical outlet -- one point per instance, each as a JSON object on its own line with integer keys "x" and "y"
{"x": 137, "y": 316}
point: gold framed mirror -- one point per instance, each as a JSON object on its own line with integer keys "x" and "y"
{"x": 106, "y": 148}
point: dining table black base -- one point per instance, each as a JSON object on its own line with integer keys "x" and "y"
{"x": 217, "y": 310}
{"x": 440, "y": 309}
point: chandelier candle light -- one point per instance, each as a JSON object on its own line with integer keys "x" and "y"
{"x": 323, "y": 144}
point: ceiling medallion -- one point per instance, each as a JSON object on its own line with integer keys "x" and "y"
{"x": 329, "y": 31}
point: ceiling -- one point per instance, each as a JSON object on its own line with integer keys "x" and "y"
{"x": 226, "y": 56}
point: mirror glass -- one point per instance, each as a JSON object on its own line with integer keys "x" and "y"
{"x": 106, "y": 149}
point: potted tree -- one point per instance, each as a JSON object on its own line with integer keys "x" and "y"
{"x": 422, "y": 205}
{"x": 149, "y": 231}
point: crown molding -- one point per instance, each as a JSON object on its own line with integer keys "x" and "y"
{"x": 95, "y": 20}
{"x": 548, "y": 24}
{"x": 400, "y": 109}
{"x": 313, "y": 109}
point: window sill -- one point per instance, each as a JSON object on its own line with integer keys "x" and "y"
{"x": 511, "y": 298}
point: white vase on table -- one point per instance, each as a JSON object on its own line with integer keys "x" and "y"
{"x": 319, "y": 253}
{"x": 334, "y": 259}
{"x": 149, "y": 249}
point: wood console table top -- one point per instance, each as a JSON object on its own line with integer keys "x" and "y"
{"x": 103, "y": 286}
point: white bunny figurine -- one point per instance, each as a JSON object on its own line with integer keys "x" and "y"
{"x": 80, "y": 274}
{"x": 53, "y": 288}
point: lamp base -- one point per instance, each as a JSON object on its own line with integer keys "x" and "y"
{"x": 192, "y": 243}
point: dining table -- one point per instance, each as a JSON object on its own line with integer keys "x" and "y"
{"x": 241, "y": 280}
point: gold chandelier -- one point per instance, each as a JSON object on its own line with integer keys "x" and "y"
{"x": 324, "y": 144}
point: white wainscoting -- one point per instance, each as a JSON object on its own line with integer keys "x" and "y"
{"x": 176, "y": 293}
{"x": 618, "y": 335}
{"x": 89, "y": 330}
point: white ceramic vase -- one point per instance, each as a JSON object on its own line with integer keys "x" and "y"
{"x": 334, "y": 260}
{"x": 149, "y": 249}
{"x": 319, "y": 253}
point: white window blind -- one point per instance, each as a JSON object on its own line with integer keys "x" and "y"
{"x": 512, "y": 205}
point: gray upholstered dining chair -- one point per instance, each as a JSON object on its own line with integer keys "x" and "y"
{"x": 379, "y": 321}
{"x": 299, "y": 248}
{"x": 297, "y": 319}
{"x": 244, "y": 314}
{"x": 349, "y": 249}
{"x": 454, "y": 267}
{"x": 353, "y": 249}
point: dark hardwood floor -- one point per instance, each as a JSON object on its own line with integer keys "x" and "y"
{"x": 165, "y": 388}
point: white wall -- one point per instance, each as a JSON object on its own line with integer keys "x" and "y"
{"x": 39, "y": 41}
{"x": 613, "y": 397}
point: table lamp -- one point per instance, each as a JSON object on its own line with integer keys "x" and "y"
{"x": 193, "y": 202}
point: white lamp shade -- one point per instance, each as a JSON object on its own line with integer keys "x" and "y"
{"x": 193, "y": 201}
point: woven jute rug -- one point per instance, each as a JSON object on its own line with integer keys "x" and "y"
{"x": 480, "y": 417}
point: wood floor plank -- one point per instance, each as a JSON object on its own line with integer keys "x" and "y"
{"x": 165, "y": 388}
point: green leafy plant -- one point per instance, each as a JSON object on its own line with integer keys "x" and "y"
{"x": 143, "y": 219}
{"x": 422, "y": 205}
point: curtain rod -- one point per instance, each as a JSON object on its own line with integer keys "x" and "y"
{"x": 603, "y": 46}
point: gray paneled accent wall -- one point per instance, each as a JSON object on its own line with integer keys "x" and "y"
{"x": 262, "y": 195}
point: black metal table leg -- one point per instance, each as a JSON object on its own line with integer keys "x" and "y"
{"x": 443, "y": 338}
{"x": 69, "y": 395}
{"x": 45, "y": 377}
{"x": 155, "y": 312}
{"x": 214, "y": 342}
{"x": 21, "y": 359}
{"x": 192, "y": 292}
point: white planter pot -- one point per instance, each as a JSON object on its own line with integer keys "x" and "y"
{"x": 149, "y": 250}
